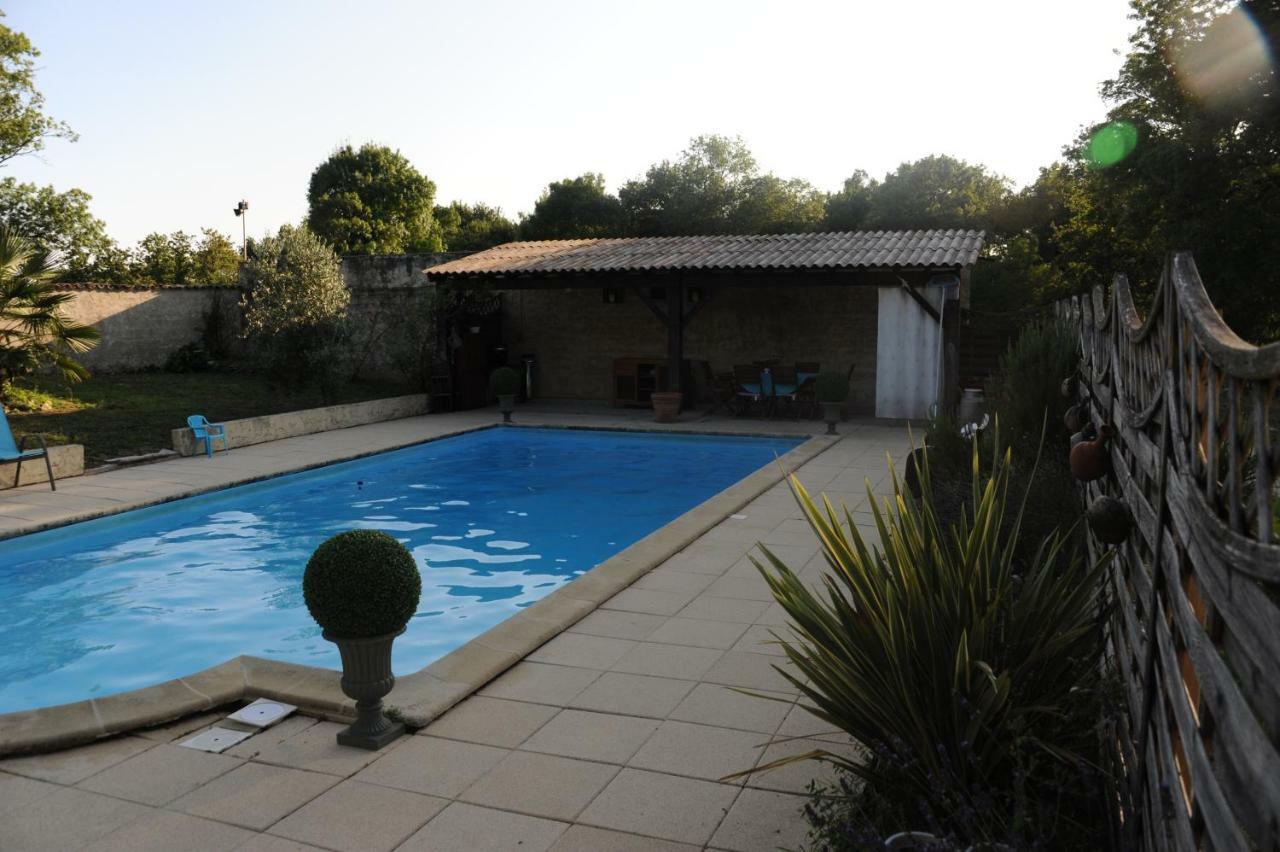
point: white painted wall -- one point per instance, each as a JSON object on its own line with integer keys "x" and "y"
{"x": 908, "y": 355}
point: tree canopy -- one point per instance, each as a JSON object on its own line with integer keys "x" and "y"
{"x": 371, "y": 200}
{"x": 574, "y": 207}
{"x": 23, "y": 125}
{"x": 473, "y": 227}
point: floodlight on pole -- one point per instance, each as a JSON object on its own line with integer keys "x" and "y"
{"x": 241, "y": 210}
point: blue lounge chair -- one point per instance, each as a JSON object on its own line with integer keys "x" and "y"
{"x": 13, "y": 452}
{"x": 208, "y": 432}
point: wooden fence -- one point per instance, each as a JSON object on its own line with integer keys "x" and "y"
{"x": 1196, "y": 589}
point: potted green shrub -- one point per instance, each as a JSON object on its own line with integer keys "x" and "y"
{"x": 831, "y": 389}
{"x": 362, "y": 587}
{"x": 504, "y": 382}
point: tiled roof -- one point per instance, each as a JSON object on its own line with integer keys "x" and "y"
{"x": 848, "y": 250}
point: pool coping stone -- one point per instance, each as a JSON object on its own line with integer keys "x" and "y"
{"x": 419, "y": 697}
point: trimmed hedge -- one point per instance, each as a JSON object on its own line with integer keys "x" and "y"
{"x": 361, "y": 583}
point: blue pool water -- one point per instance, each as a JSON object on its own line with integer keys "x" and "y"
{"x": 495, "y": 519}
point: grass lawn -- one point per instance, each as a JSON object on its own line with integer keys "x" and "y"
{"x": 132, "y": 413}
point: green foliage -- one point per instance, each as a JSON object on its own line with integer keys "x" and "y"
{"x": 295, "y": 309}
{"x": 831, "y": 387}
{"x": 970, "y": 675}
{"x": 35, "y": 333}
{"x": 716, "y": 187}
{"x": 61, "y": 224}
{"x": 1025, "y": 389}
{"x": 937, "y": 192}
{"x": 190, "y": 358}
{"x": 504, "y": 381}
{"x": 575, "y": 208}
{"x": 23, "y": 125}
{"x": 372, "y": 200}
{"x": 848, "y": 209}
{"x": 473, "y": 227}
{"x": 178, "y": 260}
{"x": 361, "y": 583}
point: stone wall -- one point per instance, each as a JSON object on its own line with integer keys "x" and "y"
{"x": 142, "y": 327}
{"x": 67, "y": 460}
{"x": 575, "y": 334}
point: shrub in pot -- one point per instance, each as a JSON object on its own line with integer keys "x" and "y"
{"x": 362, "y": 587}
{"x": 504, "y": 382}
{"x": 831, "y": 389}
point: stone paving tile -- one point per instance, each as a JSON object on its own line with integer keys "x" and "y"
{"x": 67, "y": 819}
{"x": 476, "y": 829}
{"x": 698, "y": 632}
{"x": 604, "y": 737}
{"x": 356, "y": 817}
{"x": 585, "y": 838}
{"x": 670, "y": 580}
{"x": 665, "y": 806}
{"x": 540, "y": 784}
{"x": 700, "y": 751}
{"x": 747, "y": 588}
{"x": 795, "y": 777}
{"x": 677, "y": 661}
{"x": 712, "y": 608}
{"x": 582, "y": 651}
{"x": 254, "y": 795}
{"x": 750, "y": 672}
{"x": 760, "y": 639}
{"x": 541, "y": 683}
{"x": 74, "y": 765}
{"x": 271, "y": 843}
{"x": 432, "y": 766}
{"x": 160, "y": 774}
{"x": 762, "y": 821}
{"x": 639, "y": 695}
{"x": 18, "y": 792}
{"x": 316, "y": 749}
{"x": 618, "y": 624}
{"x": 162, "y": 831}
{"x": 274, "y": 735}
{"x": 712, "y": 704}
{"x": 647, "y": 600}
{"x": 491, "y": 721}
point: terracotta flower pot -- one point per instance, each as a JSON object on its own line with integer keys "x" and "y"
{"x": 367, "y": 677}
{"x": 666, "y": 406}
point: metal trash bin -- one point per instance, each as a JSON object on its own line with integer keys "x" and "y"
{"x": 526, "y": 387}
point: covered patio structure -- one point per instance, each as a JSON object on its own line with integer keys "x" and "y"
{"x": 596, "y": 314}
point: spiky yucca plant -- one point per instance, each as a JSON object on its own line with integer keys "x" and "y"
{"x": 961, "y": 669}
{"x": 34, "y": 331}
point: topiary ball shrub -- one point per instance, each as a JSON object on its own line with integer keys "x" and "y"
{"x": 361, "y": 583}
{"x": 504, "y": 381}
{"x": 831, "y": 387}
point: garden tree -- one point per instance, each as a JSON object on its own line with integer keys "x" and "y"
{"x": 937, "y": 192}
{"x": 23, "y": 125}
{"x": 847, "y": 209}
{"x": 372, "y": 200}
{"x": 473, "y": 227}
{"x": 35, "y": 331}
{"x": 60, "y": 223}
{"x": 179, "y": 260}
{"x": 295, "y": 308}
{"x": 1196, "y": 104}
{"x": 577, "y": 207}
{"x": 716, "y": 187}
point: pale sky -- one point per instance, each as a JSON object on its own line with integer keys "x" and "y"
{"x": 184, "y": 108}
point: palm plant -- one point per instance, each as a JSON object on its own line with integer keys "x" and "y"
{"x": 34, "y": 330}
{"x": 960, "y": 666}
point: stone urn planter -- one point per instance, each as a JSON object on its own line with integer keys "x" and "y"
{"x": 666, "y": 406}
{"x": 362, "y": 587}
{"x": 504, "y": 383}
{"x": 831, "y": 390}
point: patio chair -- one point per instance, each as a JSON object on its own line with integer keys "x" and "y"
{"x": 210, "y": 433}
{"x": 748, "y": 387}
{"x": 14, "y": 452}
{"x": 720, "y": 388}
{"x": 784, "y": 383}
{"x": 807, "y": 388}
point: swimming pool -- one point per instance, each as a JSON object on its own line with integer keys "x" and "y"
{"x": 496, "y": 519}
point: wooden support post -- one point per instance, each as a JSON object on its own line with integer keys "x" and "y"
{"x": 675, "y": 335}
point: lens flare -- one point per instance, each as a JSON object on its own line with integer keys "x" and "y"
{"x": 1111, "y": 143}
{"x": 1227, "y": 66}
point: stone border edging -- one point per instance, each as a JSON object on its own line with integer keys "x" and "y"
{"x": 418, "y": 697}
